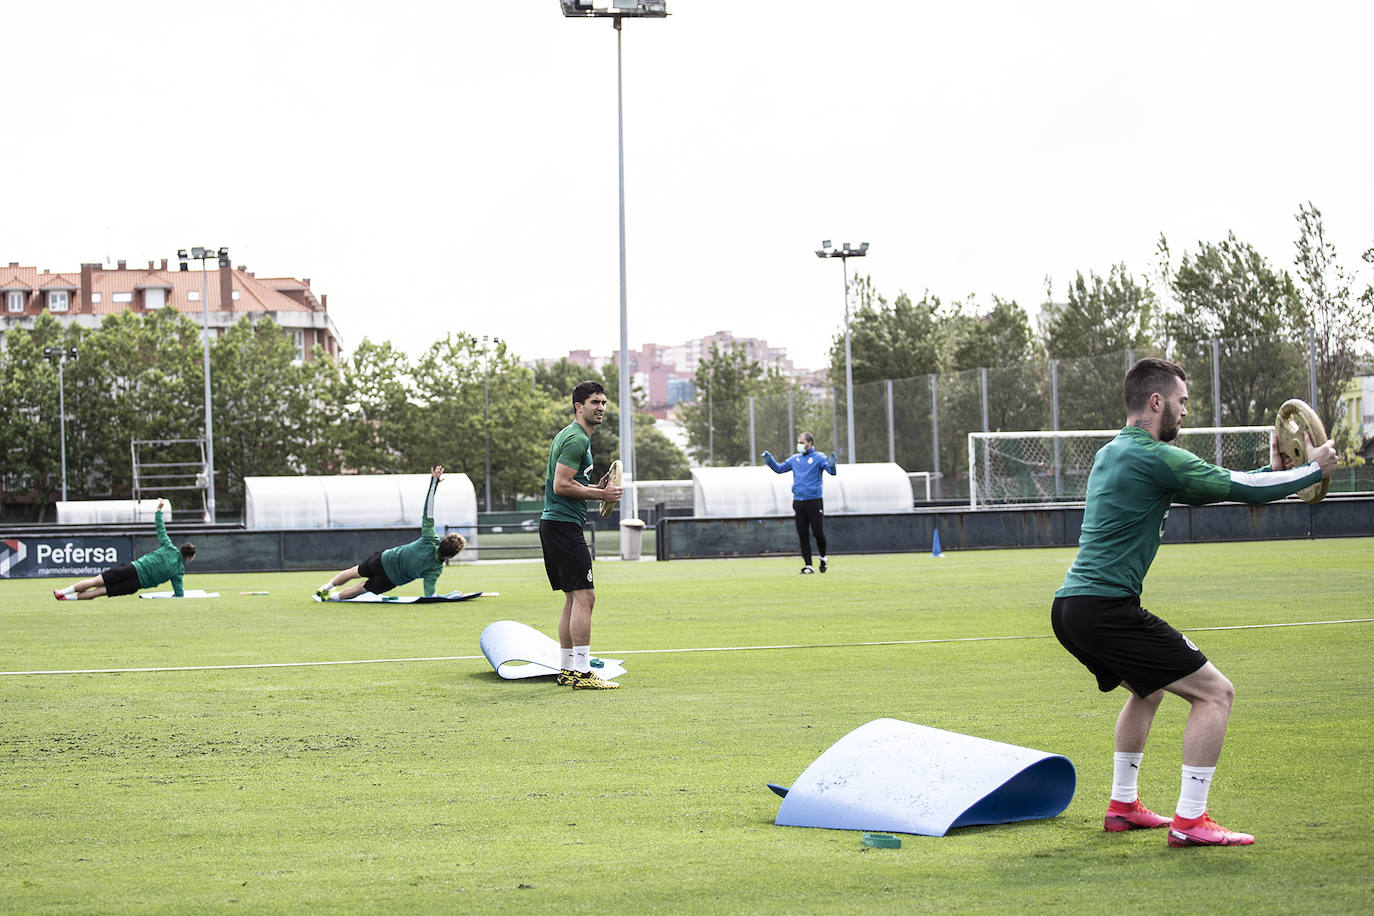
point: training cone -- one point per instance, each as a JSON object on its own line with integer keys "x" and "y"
{"x": 935, "y": 545}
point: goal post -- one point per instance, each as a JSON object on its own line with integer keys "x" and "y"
{"x": 1049, "y": 466}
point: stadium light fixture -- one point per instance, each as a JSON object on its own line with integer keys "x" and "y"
{"x": 222, "y": 256}
{"x": 617, "y": 10}
{"x": 844, "y": 253}
{"x": 61, "y": 355}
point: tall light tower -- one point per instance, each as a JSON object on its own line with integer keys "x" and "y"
{"x": 61, "y": 355}
{"x": 202, "y": 255}
{"x": 844, "y": 253}
{"x": 618, "y": 10}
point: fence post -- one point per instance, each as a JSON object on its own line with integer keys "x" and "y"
{"x": 891, "y": 428}
{"x": 753, "y": 449}
{"x": 935, "y": 435}
{"x": 1216, "y": 395}
{"x": 835, "y": 420}
{"x": 1054, "y": 424}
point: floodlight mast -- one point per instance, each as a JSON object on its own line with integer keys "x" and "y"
{"x": 844, "y": 253}
{"x": 618, "y": 10}
{"x": 202, "y": 255}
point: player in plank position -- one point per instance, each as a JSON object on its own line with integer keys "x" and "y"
{"x": 807, "y": 466}
{"x": 1097, "y": 614}
{"x": 167, "y": 562}
{"x": 395, "y": 566}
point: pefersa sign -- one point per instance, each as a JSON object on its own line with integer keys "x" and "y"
{"x": 36, "y": 557}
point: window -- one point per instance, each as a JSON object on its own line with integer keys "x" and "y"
{"x": 95, "y": 298}
{"x": 298, "y": 338}
{"x": 57, "y": 300}
{"x": 15, "y": 298}
{"x": 193, "y": 296}
{"x": 122, "y": 297}
{"x": 154, "y": 298}
{"x": 235, "y": 295}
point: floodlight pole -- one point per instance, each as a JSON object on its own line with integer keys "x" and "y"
{"x": 202, "y": 254}
{"x": 645, "y": 9}
{"x": 844, "y": 253}
{"x": 60, "y": 355}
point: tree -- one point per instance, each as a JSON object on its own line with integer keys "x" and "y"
{"x": 1091, "y": 334}
{"x": 1336, "y": 324}
{"x": 383, "y": 409}
{"x": 901, "y": 340}
{"x": 718, "y": 424}
{"x": 1230, "y": 294}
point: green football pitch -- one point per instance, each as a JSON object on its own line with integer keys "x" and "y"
{"x": 265, "y": 753}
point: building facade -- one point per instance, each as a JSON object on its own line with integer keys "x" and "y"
{"x": 86, "y": 296}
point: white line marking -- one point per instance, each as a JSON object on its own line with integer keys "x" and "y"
{"x": 822, "y": 645}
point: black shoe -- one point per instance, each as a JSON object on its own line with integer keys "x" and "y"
{"x": 822, "y": 564}
{"x": 807, "y": 571}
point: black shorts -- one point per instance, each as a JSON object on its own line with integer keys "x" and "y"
{"x": 377, "y": 581}
{"x": 1121, "y": 642}
{"x": 120, "y": 580}
{"x": 567, "y": 560}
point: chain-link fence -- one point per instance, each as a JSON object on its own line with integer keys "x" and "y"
{"x": 923, "y": 424}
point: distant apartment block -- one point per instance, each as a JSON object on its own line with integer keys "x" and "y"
{"x": 85, "y": 297}
{"x": 667, "y": 374}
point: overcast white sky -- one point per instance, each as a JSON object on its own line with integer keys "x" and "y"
{"x": 451, "y": 166}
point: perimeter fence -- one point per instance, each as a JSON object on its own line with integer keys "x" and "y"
{"x": 923, "y": 423}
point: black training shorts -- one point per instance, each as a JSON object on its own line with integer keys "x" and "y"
{"x": 1121, "y": 642}
{"x": 566, "y": 557}
{"x": 378, "y": 583}
{"x": 120, "y": 580}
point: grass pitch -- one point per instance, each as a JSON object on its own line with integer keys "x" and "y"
{"x": 433, "y": 785}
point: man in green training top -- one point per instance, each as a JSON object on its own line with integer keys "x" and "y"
{"x": 1097, "y": 614}
{"x": 567, "y": 561}
{"x": 395, "y": 566}
{"x": 167, "y": 562}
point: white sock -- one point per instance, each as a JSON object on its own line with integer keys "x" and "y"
{"x": 1125, "y": 776}
{"x": 1192, "y": 796}
{"x": 69, "y": 591}
{"x": 582, "y": 659}
{"x": 567, "y": 658}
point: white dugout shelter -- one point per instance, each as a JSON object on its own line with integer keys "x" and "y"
{"x": 855, "y": 489}
{"x": 359, "y": 501}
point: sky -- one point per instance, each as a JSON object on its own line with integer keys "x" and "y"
{"x": 451, "y": 167}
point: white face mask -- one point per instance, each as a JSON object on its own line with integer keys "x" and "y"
{"x": 803, "y": 447}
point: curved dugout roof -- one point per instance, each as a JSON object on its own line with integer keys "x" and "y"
{"x": 359, "y": 501}
{"x": 755, "y": 491}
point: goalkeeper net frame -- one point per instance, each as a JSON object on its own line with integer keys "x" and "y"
{"x": 1052, "y": 466}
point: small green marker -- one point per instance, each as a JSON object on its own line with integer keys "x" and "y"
{"x": 882, "y": 841}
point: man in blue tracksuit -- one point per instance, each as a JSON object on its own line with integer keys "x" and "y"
{"x": 806, "y": 466}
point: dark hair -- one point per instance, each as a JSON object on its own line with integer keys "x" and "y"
{"x": 451, "y": 546}
{"x": 1148, "y": 376}
{"x": 188, "y": 552}
{"x": 808, "y": 437}
{"x": 585, "y": 390}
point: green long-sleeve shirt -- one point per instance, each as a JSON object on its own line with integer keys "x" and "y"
{"x": 1133, "y": 481}
{"x": 162, "y": 564}
{"x": 421, "y": 556}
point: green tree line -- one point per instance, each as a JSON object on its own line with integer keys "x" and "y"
{"x": 375, "y": 411}
{"x": 918, "y": 358}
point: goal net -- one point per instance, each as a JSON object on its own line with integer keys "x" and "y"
{"x": 1045, "y": 466}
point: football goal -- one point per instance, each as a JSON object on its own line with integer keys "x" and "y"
{"x": 1047, "y": 466}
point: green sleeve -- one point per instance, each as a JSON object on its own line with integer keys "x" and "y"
{"x": 177, "y": 590}
{"x": 161, "y": 529}
{"x": 427, "y": 521}
{"x": 432, "y": 579}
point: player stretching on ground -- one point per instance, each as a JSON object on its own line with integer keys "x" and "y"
{"x": 1097, "y": 614}
{"x": 566, "y": 558}
{"x": 395, "y": 566}
{"x": 806, "y": 466}
{"x": 167, "y": 562}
